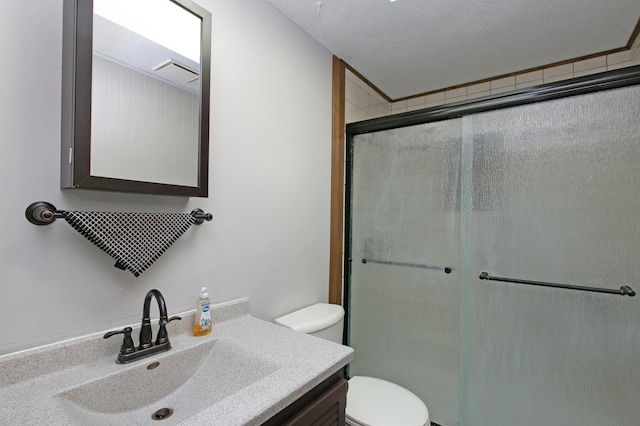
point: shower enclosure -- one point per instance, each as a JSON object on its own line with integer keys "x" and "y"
{"x": 542, "y": 185}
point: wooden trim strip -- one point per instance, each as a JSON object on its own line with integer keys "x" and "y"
{"x": 373, "y": 86}
{"x": 337, "y": 181}
{"x": 634, "y": 34}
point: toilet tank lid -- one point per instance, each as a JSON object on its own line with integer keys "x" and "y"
{"x": 312, "y": 318}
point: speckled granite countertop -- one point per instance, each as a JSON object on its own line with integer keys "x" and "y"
{"x": 243, "y": 373}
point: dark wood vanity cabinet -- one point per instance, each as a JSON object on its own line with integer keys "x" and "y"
{"x": 323, "y": 405}
{"x": 328, "y": 409}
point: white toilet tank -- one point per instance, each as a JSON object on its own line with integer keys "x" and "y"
{"x": 321, "y": 320}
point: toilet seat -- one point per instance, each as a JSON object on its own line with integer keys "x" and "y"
{"x": 377, "y": 402}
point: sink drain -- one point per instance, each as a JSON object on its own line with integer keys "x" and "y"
{"x": 162, "y": 414}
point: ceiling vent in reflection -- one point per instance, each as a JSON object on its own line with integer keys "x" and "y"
{"x": 175, "y": 72}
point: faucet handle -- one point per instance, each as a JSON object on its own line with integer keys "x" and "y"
{"x": 127, "y": 343}
{"x": 162, "y": 336}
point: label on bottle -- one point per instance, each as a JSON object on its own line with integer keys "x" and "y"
{"x": 205, "y": 317}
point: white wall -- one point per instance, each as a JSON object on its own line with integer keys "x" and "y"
{"x": 269, "y": 183}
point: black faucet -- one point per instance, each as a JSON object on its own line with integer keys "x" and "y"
{"x": 145, "y": 348}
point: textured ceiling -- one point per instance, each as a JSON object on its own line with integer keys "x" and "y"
{"x": 408, "y": 47}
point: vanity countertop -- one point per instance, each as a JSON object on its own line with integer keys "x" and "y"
{"x": 265, "y": 367}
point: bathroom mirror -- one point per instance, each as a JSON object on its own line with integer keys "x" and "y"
{"x": 135, "y": 96}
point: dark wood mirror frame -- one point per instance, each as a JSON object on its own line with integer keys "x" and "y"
{"x": 76, "y": 107}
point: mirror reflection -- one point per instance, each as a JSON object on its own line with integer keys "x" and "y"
{"x": 146, "y": 90}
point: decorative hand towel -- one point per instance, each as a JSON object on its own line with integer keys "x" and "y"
{"x": 135, "y": 240}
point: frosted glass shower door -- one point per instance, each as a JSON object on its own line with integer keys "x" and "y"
{"x": 405, "y": 230}
{"x": 551, "y": 192}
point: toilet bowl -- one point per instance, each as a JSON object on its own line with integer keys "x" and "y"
{"x": 370, "y": 401}
{"x": 377, "y": 402}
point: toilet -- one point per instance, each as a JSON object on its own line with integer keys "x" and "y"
{"x": 370, "y": 401}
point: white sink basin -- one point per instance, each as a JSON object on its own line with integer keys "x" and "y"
{"x": 186, "y": 382}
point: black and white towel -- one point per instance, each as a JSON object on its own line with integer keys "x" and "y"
{"x": 135, "y": 240}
